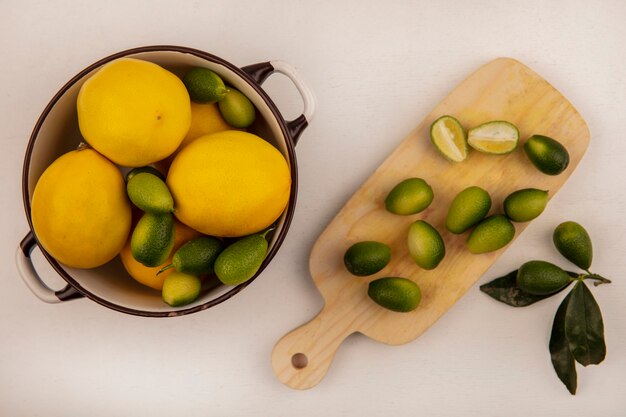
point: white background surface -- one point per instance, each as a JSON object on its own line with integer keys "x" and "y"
{"x": 377, "y": 70}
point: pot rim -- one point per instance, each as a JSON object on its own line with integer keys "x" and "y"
{"x": 289, "y": 210}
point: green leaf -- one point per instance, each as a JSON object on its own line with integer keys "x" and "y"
{"x": 584, "y": 327}
{"x": 562, "y": 358}
{"x": 505, "y": 290}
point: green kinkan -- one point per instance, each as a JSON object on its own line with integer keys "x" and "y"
{"x": 366, "y": 258}
{"x": 153, "y": 239}
{"x": 241, "y": 260}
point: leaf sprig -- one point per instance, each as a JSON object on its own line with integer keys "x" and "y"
{"x": 578, "y": 328}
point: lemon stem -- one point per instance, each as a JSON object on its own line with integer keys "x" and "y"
{"x": 599, "y": 279}
{"x": 165, "y": 268}
{"x": 83, "y": 145}
{"x": 267, "y": 231}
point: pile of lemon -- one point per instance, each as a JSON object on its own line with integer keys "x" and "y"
{"x": 190, "y": 135}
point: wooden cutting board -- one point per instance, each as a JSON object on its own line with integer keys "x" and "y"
{"x": 503, "y": 89}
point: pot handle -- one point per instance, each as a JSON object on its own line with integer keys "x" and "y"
{"x": 261, "y": 71}
{"x": 33, "y": 281}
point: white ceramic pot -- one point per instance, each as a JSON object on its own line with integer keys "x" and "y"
{"x": 56, "y": 133}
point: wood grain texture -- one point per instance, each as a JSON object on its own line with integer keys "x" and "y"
{"x": 503, "y": 89}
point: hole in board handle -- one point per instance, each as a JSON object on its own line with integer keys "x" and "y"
{"x": 299, "y": 360}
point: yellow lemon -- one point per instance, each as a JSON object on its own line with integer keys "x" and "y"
{"x": 147, "y": 275}
{"x": 229, "y": 183}
{"x": 80, "y": 211}
{"x": 205, "y": 119}
{"x": 134, "y": 112}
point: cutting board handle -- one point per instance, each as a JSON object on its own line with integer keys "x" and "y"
{"x": 302, "y": 357}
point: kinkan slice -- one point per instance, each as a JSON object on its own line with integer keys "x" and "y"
{"x": 448, "y": 136}
{"x": 497, "y": 137}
